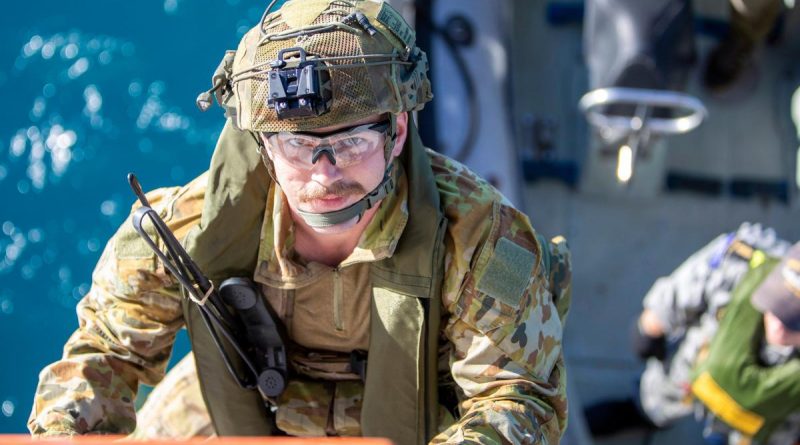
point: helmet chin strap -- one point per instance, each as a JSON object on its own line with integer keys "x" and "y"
{"x": 356, "y": 210}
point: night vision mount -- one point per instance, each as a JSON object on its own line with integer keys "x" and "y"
{"x": 298, "y": 89}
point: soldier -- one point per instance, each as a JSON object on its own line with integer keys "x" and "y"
{"x": 417, "y": 302}
{"x": 711, "y": 352}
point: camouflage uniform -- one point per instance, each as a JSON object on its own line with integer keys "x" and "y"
{"x": 505, "y": 360}
{"x": 689, "y": 304}
{"x": 175, "y": 408}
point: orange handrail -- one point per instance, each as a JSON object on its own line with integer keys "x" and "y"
{"x": 19, "y": 439}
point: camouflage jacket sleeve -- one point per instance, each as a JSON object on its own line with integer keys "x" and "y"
{"x": 127, "y": 325}
{"x": 504, "y": 322}
{"x": 706, "y": 279}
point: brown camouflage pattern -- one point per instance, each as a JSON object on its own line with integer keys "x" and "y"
{"x": 391, "y": 87}
{"x": 304, "y": 406}
{"x": 127, "y": 325}
{"x": 506, "y": 361}
{"x": 175, "y": 408}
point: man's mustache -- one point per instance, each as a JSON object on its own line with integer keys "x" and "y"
{"x": 339, "y": 189}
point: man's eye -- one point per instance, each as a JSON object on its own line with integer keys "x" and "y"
{"x": 352, "y": 142}
{"x": 299, "y": 143}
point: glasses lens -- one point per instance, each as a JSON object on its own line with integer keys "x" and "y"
{"x": 350, "y": 147}
{"x": 295, "y": 149}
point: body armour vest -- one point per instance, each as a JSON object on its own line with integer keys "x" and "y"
{"x": 731, "y": 382}
{"x": 400, "y": 391}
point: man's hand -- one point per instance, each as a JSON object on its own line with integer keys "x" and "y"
{"x": 647, "y": 337}
{"x": 650, "y": 325}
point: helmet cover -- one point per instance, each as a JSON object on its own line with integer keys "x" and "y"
{"x": 362, "y": 55}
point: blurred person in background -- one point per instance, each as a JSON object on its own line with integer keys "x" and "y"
{"x": 721, "y": 337}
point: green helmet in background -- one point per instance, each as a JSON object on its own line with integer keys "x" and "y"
{"x": 316, "y": 63}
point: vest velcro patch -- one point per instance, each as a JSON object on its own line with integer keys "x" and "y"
{"x": 508, "y": 272}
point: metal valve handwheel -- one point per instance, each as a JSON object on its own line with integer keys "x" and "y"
{"x": 692, "y": 110}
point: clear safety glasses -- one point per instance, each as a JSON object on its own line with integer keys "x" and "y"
{"x": 344, "y": 148}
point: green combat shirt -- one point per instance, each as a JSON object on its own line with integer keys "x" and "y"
{"x": 502, "y": 330}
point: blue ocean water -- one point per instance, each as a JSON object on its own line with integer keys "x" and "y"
{"x": 91, "y": 90}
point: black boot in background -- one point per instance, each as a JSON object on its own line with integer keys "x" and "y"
{"x": 615, "y": 416}
{"x": 727, "y": 61}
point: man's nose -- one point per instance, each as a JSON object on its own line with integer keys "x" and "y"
{"x": 324, "y": 171}
{"x": 326, "y": 151}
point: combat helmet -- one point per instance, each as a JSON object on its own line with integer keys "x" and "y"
{"x": 316, "y": 63}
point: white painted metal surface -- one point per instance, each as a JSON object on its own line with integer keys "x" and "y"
{"x": 492, "y": 153}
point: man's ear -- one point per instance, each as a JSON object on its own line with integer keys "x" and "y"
{"x": 402, "y": 133}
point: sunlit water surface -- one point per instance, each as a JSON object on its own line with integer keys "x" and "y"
{"x": 91, "y": 90}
